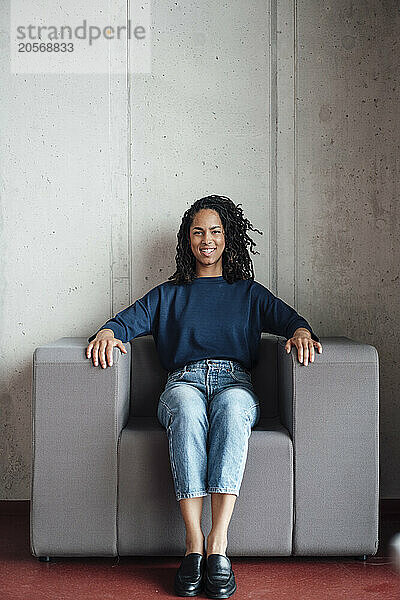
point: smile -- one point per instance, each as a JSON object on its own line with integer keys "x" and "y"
{"x": 208, "y": 251}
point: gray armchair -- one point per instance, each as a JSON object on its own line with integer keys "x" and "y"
{"x": 101, "y": 480}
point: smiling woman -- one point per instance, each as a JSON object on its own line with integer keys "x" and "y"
{"x": 211, "y": 251}
{"x": 207, "y": 321}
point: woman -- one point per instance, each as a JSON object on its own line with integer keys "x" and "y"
{"x": 207, "y": 323}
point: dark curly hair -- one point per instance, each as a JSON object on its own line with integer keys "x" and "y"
{"x": 236, "y": 262}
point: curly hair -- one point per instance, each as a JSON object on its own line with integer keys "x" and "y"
{"x": 236, "y": 262}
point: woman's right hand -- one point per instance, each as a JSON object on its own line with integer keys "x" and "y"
{"x": 102, "y": 347}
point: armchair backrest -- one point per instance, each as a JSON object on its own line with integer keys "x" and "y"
{"x": 148, "y": 377}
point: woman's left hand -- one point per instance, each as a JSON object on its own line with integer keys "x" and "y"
{"x": 305, "y": 345}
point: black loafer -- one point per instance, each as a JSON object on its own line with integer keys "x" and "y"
{"x": 219, "y": 579}
{"x": 189, "y": 576}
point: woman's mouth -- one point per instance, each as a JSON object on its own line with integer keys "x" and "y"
{"x": 207, "y": 251}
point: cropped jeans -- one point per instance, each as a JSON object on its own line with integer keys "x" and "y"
{"x": 208, "y": 408}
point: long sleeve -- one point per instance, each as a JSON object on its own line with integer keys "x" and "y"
{"x": 129, "y": 323}
{"x": 281, "y": 319}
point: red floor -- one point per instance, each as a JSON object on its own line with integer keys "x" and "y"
{"x": 23, "y": 577}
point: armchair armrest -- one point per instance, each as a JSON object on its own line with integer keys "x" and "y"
{"x": 331, "y": 409}
{"x": 78, "y": 412}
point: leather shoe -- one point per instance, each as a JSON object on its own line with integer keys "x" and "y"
{"x": 219, "y": 579}
{"x": 190, "y": 574}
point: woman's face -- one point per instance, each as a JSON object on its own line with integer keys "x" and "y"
{"x": 206, "y": 231}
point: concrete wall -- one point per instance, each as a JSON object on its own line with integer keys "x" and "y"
{"x": 348, "y": 167}
{"x": 97, "y": 171}
{"x": 63, "y": 220}
{"x": 200, "y": 125}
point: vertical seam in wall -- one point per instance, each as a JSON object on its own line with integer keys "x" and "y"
{"x": 111, "y": 250}
{"x": 273, "y": 120}
{"x": 295, "y": 191}
{"x": 295, "y": 174}
{"x": 129, "y": 155}
{"x": 285, "y": 136}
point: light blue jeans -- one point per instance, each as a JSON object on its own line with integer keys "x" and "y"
{"x": 208, "y": 409}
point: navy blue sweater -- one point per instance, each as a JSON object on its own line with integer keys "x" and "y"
{"x": 208, "y": 318}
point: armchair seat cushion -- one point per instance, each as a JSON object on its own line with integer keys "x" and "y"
{"x": 146, "y": 489}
